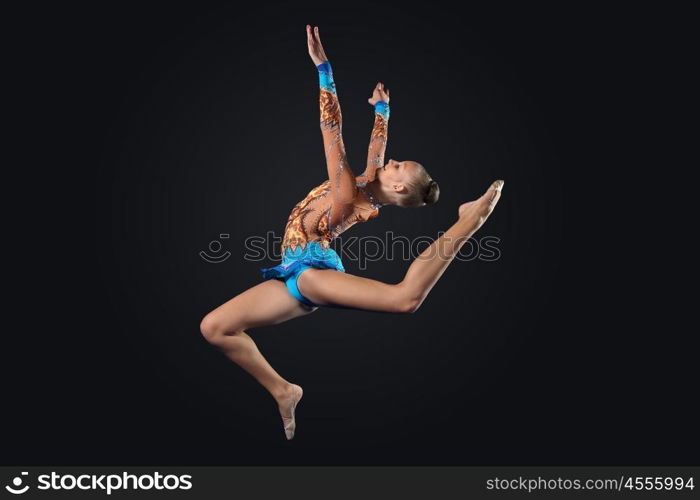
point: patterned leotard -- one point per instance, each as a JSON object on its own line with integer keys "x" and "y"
{"x": 338, "y": 203}
{"x": 310, "y": 219}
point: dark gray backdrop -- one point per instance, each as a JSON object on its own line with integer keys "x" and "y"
{"x": 169, "y": 126}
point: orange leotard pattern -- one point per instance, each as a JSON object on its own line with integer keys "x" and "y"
{"x": 310, "y": 219}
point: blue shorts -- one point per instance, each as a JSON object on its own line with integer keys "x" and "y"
{"x": 296, "y": 261}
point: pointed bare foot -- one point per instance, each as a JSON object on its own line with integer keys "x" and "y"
{"x": 287, "y": 404}
{"x": 482, "y": 207}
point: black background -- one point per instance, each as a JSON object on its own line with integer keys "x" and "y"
{"x": 161, "y": 127}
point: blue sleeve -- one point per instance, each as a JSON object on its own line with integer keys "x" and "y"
{"x": 325, "y": 77}
{"x": 382, "y": 108}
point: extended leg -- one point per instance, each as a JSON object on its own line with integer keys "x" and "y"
{"x": 268, "y": 303}
{"x": 326, "y": 287}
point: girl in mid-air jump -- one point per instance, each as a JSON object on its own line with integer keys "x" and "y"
{"x": 311, "y": 273}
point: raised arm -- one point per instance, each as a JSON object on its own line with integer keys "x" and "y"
{"x": 377, "y": 141}
{"x": 343, "y": 186}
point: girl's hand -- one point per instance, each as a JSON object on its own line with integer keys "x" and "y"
{"x": 379, "y": 94}
{"x": 316, "y": 51}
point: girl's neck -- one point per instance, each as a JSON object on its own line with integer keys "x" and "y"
{"x": 377, "y": 195}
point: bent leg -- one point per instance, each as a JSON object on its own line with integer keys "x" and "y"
{"x": 326, "y": 287}
{"x": 267, "y": 303}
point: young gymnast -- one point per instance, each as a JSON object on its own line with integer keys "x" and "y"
{"x": 311, "y": 273}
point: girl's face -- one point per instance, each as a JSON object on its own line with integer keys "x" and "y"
{"x": 397, "y": 175}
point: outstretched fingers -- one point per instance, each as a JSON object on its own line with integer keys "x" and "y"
{"x": 312, "y": 36}
{"x": 313, "y": 41}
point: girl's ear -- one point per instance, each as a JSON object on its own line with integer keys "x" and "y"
{"x": 400, "y": 188}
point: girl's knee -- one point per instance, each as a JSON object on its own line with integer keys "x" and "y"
{"x": 214, "y": 328}
{"x": 210, "y": 327}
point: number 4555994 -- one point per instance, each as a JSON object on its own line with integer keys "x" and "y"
{"x": 659, "y": 483}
